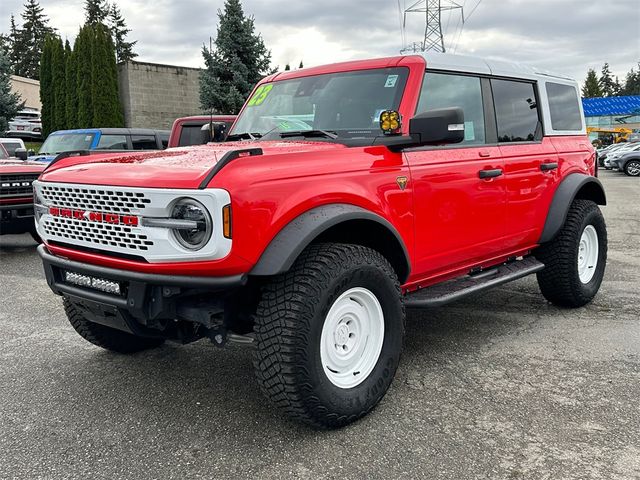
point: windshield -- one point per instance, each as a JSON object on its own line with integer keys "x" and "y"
{"x": 348, "y": 104}
{"x": 66, "y": 142}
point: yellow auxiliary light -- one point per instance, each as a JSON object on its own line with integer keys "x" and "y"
{"x": 390, "y": 122}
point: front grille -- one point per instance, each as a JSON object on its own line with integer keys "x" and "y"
{"x": 15, "y": 185}
{"x": 94, "y": 199}
{"x": 99, "y": 234}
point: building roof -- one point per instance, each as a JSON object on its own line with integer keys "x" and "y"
{"x": 601, "y": 106}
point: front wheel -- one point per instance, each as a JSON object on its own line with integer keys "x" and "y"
{"x": 329, "y": 334}
{"x": 632, "y": 168}
{"x": 575, "y": 259}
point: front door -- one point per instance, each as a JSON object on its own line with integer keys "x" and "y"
{"x": 459, "y": 190}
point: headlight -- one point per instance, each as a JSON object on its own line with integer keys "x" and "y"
{"x": 198, "y": 225}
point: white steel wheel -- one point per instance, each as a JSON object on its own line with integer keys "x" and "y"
{"x": 588, "y": 254}
{"x": 352, "y": 337}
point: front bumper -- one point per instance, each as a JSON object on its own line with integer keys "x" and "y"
{"x": 16, "y": 219}
{"x": 146, "y": 300}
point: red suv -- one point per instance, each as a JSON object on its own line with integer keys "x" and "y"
{"x": 343, "y": 195}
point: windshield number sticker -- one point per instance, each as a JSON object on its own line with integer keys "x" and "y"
{"x": 260, "y": 95}
{"x": 391, "y": 81}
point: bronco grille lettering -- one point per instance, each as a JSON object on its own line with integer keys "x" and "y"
{"x": 98, "y": 217}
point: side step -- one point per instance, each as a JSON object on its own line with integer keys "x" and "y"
{"x": 458, "y": 288}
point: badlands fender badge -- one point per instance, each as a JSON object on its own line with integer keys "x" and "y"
{"x": 402, "y": 182}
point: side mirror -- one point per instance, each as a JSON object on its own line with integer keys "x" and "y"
{"x": 206, "y": 135}
{"x": 213, "y": 132}
{"x": 434, "y": 127}
{"x": 438, "y": 127}
{"x": 21, "y": 153}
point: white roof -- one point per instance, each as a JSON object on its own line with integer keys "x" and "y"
{"x": 462, "y": 63}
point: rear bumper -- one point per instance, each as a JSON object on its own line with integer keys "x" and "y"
{"x": 146, "y": 299}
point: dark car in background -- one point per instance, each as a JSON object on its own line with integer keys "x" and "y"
{"x": 117, "y": 139}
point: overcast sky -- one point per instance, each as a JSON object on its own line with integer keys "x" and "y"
{"x": 567, "y": 36}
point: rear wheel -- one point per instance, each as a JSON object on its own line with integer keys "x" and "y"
{"x": 106, "y": 337}
{"x": 632, "y": 168}
{"x": 575, "y": 259}
{"x": 329, "y": 334}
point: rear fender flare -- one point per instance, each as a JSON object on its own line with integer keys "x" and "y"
{"x": 575, "y": 185}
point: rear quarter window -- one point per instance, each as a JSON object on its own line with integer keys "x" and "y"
{"x": 564, "y": 107}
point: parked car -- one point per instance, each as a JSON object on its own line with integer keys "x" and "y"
{"x": 27, "y": 125}
{"x": 629, "y": 162}
{"x": 188, "y": 131}
{"x": 604, "y": 153}
{"x": 11, "y": 145}
{"x": 117, "y": 139}
{"x": 16, "y": 194}
{"x": 611, "y": 158}
{"x": 342, "y": 195}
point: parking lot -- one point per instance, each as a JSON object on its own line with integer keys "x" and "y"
{"x": 501, "y": 385}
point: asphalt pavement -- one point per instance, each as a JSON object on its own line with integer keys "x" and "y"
{"x": 502, "y": 385}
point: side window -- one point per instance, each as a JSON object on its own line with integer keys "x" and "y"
{"x": 443, "y": 90}
{"x": 516, "y": 110}
{"x": 564, "y": 107}
{"x": 190, "y": 135}
{"x": 112, "y": 142}
{"x": 144, "y": 142}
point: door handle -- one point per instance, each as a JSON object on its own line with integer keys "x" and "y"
{"x": 484, "y": 153}
{"x": 548, "y": 166}
{"x": 496, "y": 172}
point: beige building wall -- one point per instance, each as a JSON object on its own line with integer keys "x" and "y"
{"x": 154, "y": 95}
{"x": 28, "y": 89}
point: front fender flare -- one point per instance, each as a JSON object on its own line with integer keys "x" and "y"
{"x": 287, "y": 245}
{"x": 575, "y": 185}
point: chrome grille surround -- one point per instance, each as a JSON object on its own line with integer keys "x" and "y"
{"x": 154, "y": 244}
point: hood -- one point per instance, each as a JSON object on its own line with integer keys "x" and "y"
{"x": 183, "y": 167}
{"x": 21, "y": 166}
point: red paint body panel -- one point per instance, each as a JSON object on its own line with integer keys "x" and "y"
{"x": 20, "y": 166}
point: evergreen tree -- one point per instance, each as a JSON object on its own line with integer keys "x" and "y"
{"x": 46, "y": 86}
{"x": 27, "y": 49}
{"x": 96, "y": 11}
{"x": 13, "y": 53}
{"x": 301, "y": 65}
{"x": 236, "y": 63}
{"x": 287, "y": 67}
{"x": 71, "y": 101}
{"x": 591, "y": 87}
{"x": 82, "y": 57}
{"x": 119, "y": 32}
{"x": 59, "y": 86}
{"x": 104, "y": 80}
{"x": 606, "y": 82}
{"x": 5, "y": 44}
{"x": 10, "y": 103}
{"x": 632, "y": 83}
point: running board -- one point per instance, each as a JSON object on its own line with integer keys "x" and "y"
{"x": 458, "y": 288}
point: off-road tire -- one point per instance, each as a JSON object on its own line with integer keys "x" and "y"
{"x": 559, "y": 281}
{"x": 106, "y": 337}
{"x": 288, "y": 325}
{"x": 632, "y": 168}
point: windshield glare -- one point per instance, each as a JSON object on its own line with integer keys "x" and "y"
{"x": 347, "y": 103}
{"x": 67, "y": 142}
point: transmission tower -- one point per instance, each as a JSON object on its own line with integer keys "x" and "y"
{"x": 433, "y": 37}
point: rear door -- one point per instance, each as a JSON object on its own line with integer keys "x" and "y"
{"x": 530, "y": 160}
{"x": 459, "y": 211}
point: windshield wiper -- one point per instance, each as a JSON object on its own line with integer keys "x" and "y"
{"x": 239, "y": 136}
{"x": 309, "y": 133}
